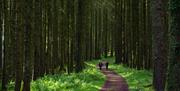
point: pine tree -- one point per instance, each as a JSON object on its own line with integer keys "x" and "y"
{"x": 36, "y": 38}
{"x": 18, "y": 47}
{"x": 79, "y": 34}
{"x": 28, "y": 34}
{"x": 159, "y": 49}
{"x": 1, "y": 31}
{"x": 7, "y": 38}
{"x": 118, "y": 31}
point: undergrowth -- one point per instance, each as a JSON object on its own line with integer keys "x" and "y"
{"x": 91, "y": 79}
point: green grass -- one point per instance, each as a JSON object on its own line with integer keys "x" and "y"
{"x": 138, "y": 80}
{"x": 91, "y": 79}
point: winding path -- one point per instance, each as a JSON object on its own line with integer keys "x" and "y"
{"x": 114, "y": 82}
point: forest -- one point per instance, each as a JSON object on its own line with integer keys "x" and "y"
{"x": 57, "y": 45}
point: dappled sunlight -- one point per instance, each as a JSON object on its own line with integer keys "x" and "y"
{"x": 89, "y": 79}
{"x": 90, "y": 64}
{"x": 97, "y": 87}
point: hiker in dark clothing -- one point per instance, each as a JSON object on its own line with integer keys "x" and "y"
{"x": 107, "y": 65}
{"x": 100, "y": 65}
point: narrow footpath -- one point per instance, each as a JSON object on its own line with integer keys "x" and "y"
{"x": 113, "y": 82}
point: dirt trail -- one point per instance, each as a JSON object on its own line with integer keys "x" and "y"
{"x": 114, "y": 82}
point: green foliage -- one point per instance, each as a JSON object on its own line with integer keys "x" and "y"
{"x": 11, "y": 86}
{"x": 90, "y": 79}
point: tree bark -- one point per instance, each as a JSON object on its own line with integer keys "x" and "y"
{"x": 28, "y": 33}
{"x": 118, "y": 32}
{"x": 18, "y": 47}
{"x": 159, "y": 49}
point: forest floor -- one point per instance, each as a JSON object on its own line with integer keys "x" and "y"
{"x": 114, "y": 82}
{"x": 91, "y": 79}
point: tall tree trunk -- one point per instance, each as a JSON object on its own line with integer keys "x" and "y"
{"x": 28, "y": 33}
{"x": 118, "y": 32}
{"x": 6, "y": 60}
{"x": 1, "y": 31}
{"x": 79, "y": 35}
{"x": 159, "y": 47}
{"x": 18, "y": 47}
{"x": 105, "y": 27}
{"x": 1, "y": 35}
{"x": 37, "y": 36}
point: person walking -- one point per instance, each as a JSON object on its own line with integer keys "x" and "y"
{"x": 100, "y": 65}
{"x": 107, "y": 63}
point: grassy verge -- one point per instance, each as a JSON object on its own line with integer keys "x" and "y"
{"x": 90, "y": 79}
{"x": 138, "y": 80}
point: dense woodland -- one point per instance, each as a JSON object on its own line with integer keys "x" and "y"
{"x": 40, "y": 37}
